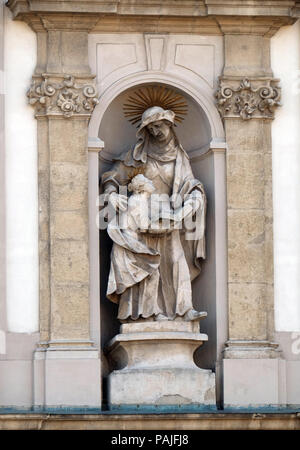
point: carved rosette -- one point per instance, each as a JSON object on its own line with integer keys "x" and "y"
{"x": 66, "y": 97}
{"x": 251, "y": 99}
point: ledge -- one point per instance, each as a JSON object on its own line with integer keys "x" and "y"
{"x": 159, "y": 7}
{"x": 156, "y": 16}
{"x": 163, "y": 421}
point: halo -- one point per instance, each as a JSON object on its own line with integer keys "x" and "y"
{"x": 149, "y": 96}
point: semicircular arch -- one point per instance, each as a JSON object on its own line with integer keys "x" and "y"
{"x": 198, "y": 94}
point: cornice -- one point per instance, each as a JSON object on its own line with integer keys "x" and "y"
{"x": 262, "y": 26}
{"x": 296, "y": 10}
{"x": 262, "y": 17}
{"x": 158, "y": 7}
{"x": 250, "y": 7}
{"x": 186, "y": 8}
{"x": 153, "y": 24}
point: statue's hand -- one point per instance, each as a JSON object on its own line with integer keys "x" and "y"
{"x": 118, "y": 201}
{"x": 194, "y": 201}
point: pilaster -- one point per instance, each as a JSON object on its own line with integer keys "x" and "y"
{"x": 247, "y": 98}
{"x": 64, "y": 96}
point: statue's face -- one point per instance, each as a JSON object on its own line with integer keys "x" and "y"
{"x": 160, "y": 130}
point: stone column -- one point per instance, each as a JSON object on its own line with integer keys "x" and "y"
{"x": 247, "y": 97}
{"x": 67, "y": 364}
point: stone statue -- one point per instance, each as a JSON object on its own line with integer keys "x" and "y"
{"x": 152, "y": 261}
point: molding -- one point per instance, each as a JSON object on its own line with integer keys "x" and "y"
{"x": 244, "y": 349}
{"x": 203, "y": 17}
{"x": 95, "y": 145}
{"x": 250, "y": 7}
{"x": 250, "y": 99}
{"x": 119, "y": 7}
{"x": 65, "y": 98}
{"x": 158, "y": 7}
{"x": 207, "y": 150}
{"x": 296, "y": 10}
{"x": 92, "y": 420}
{"x": 69, "y": 22}
{"x": 198, "y": 25}
{"x": 240, "y": 24}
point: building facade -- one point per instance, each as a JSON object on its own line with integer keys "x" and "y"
{"x": 67, "y": 70}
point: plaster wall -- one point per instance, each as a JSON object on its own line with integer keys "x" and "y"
{"x": 21, "y": 179}
{"x": 285, "y": 53}
{"x": 2, "y": 189}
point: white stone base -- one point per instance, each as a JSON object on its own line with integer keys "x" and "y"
{"x": 67, "y": 378}
{"x": 161, "y": 387}
{"x": 254, "y": 382}
{"x": 156, "y": 366}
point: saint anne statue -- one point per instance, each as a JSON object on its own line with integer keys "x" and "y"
{"x": 151, "y": 272}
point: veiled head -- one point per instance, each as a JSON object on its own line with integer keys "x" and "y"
{"x": 158, "y": 122}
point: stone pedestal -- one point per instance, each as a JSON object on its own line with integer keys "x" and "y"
{"x": 155, "y": 366}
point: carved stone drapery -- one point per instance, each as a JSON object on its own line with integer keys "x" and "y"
{"x": 67, "y": 97}
{"x": 256, "y": 99}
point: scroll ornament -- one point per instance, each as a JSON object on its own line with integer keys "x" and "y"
{"x": 67, "y": 97}
{"x": 247, "y": 101}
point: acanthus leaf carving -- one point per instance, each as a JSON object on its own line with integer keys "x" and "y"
{"x": 247, "y": 101}
{"x": 62, "y": 98}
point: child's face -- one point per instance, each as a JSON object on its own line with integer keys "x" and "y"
{"x": 142, "y": 185}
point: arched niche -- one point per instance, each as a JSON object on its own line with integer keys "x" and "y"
{"x": 119, "y": 134}
{"x": 202, "y": 136}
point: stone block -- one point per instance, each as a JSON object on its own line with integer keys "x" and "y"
{"x": 245, "y": 54}
{"x": 247, "y": 311}
{"x": 68, "y": 141}
{"x": 69, "y": 187}
{"x": 269, "y": 289}
{"x": 69, "y": 225}
{"x": 246, "y": 239}
{"x": 245, "y": 164}
{"x": 72, "y": 379}
{"x": 269, "y": 264}
{"x": 245, "y": 227}
{"x": 43, "y": 148}
{"x": 244, "y": 174}
{"x": 250, "y": 136}
{"x": 245, "y": 192}
{"x": 69, "y": 261}
{"x": 74, "y": 52}
{"x": 251, "y": 382}
{"x": 70, "y": 312}
{"x": 162, "y": 387}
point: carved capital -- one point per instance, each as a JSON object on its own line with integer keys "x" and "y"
{"x": 248, "y": 99}
{"x": 63, "y": 96}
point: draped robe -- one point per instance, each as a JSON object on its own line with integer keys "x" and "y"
{"x": 151, "y": 274}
